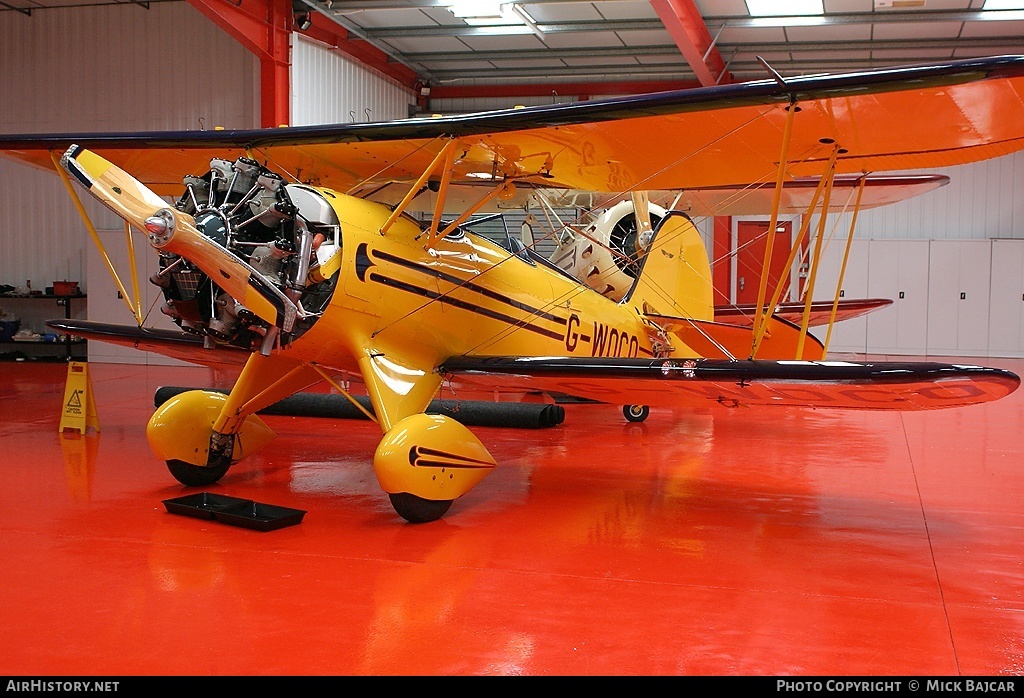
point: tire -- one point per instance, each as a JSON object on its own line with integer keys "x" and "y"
{"x": 418, "y": 510}
{"x": 636, "y": 413}
{"x": 197, "y": 475}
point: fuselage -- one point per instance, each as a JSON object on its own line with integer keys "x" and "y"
{"x": 463, "y": 294}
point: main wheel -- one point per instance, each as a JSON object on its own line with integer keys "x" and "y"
{"x": 636, "y": 413}
{"x": 197, "y": 475}
{"x": 418, "y": 510}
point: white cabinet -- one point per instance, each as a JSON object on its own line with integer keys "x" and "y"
{"x": 958, "y": 297}
{"x": 847, "y": 335}
{"x": 950, "y": 298}
{"x": 1006, "y": 299}
{"x": 898, "y": 270}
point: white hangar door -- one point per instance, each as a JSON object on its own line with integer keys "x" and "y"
{"x": 958, "y": 297}
{"x": 898, "y": 269}
{"x": 1006, "y": 302}
{"x": 847, "y": 335}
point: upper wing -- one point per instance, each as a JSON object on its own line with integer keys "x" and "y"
{"x": 893, "y": 119}
{"x": 711, "y": 382}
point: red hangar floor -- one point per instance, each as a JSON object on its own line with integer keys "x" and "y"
{"x": 784, "y": 542}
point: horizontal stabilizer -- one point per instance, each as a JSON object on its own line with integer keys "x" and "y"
{"x": 719, "y": 340}
{"x": 820, "y": 311}
{"x": 695, "y": 383}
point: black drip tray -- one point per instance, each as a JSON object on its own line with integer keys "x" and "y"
{"x": 203, "y": 505}
{"x": 261, "y": 517}
{"x": 234, "y": 511}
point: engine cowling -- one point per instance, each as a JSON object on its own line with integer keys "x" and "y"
{"x": 282, "y": 231}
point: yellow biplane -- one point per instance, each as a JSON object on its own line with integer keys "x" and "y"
{"x": 271, "y": 259}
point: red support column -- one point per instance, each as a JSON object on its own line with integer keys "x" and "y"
{"x": 721, "y": 256}
{"x": 264, "y": 27}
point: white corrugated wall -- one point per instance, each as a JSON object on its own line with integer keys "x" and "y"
{"x": 92, "y": 69}
{"x": 463, "y": 105}
{"x": 328, "y": 88}
{"x": 982, "y": 201}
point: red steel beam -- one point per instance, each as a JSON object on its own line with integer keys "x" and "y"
{"x": 684, "y": 23}
{"x": 264, "y": 27}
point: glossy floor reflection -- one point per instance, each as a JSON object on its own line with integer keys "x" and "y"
{"x": 779, "y": 542}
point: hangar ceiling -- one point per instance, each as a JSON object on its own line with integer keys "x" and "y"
{"x": 604, "y": 41}
{"x": 560, "y": 40}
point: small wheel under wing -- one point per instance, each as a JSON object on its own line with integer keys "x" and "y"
{"x": 197, "y": 475}
{"x": 417, "y": 509}
{"x": 636, "y": 413}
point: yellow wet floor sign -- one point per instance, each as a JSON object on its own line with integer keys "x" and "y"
{"x": 79, "y": 403}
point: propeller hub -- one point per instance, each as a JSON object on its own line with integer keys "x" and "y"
{"x": 160, "y": 227}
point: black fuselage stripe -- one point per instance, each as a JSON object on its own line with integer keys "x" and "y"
{"x": 464, "y": 305}
{"x": 425, "y": 451}
{"x": 489, "y": 293}
{"x": 426, "y": 463}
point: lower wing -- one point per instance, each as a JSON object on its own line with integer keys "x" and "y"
{"x": 171, "y": 343}
{"x": 656, "y": 382}
{"x": 713, "y": 382}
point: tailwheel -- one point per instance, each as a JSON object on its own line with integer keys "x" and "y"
{"x": 636, "y": 413}
{"x": 197, "y": 475}
{"x": 416, "y": 509}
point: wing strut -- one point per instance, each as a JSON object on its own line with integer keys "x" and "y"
{"x": 134, "y": 303}
{"x": 442, "y": 194}
{"x": 442, "y": 156}
{"x": 348, "y": 396}
{"x": 798, "y": 243}
{"x": 812, "y": 277}
{"x": 503, "y": 187}
{"x": 842, "y": 269}
{"x": 776, "y": 200}
{"x": 759, "y": 329}
{"x": 133, "y": 268}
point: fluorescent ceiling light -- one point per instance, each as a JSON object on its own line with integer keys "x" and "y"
{"x": 778, "y": 8}
{"x": 1003, "y": 5}
{"x": 798, "y": 21}
{"x": 476, "y": 8}
{"x": 484, "y": 13}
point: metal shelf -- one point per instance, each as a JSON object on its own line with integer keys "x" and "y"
{"x": 63, "y": 301}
